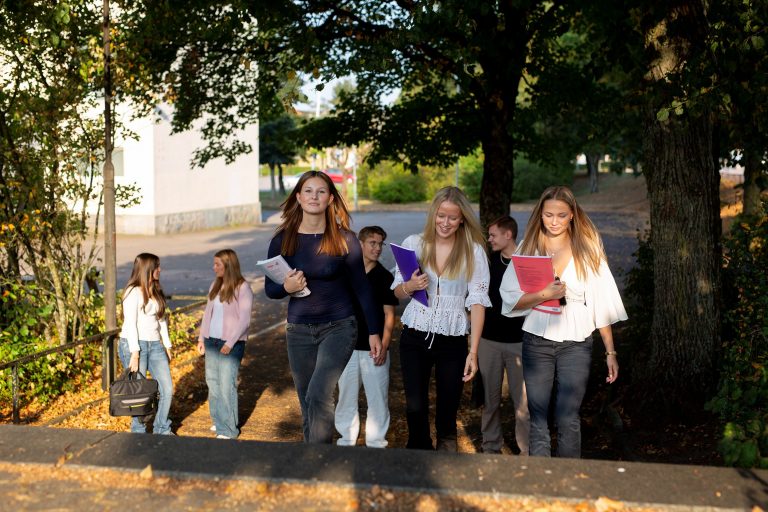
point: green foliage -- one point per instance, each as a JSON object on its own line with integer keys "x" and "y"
{"x": 277, "y": 141}
{"x": 742, "y": 397}
{"x": 471, "y": 175}
{"x": 50, "y": 150}
{"x": 532, "y": 178}
{"x": 183, "y": 328}
{"x": 392, "y": 184}
{"x": 437, "y": 177}
{"x": 27, "y": 314}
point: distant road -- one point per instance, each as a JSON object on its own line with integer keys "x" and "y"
{"x": 186, "y": 258}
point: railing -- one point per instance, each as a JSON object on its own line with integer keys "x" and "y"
{"x": 108, "y": 359}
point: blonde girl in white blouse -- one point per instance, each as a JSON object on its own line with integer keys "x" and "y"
{"x": 455, "y": 275}
{"x": 558, "y": 348}
{"x": 144, "y": 341}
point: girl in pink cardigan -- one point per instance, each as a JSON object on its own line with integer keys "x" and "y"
{"x": 222, "y": 339}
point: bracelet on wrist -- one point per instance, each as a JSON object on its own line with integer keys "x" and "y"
{"x": 405, "y": 291}
{"x": 610, "y": 353}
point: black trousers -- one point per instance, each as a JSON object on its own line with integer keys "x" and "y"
{"x": 448, "y": 355}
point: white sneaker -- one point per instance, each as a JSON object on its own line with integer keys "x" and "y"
{"x": 213, "y": 428}
{"x": 222, "y": 436}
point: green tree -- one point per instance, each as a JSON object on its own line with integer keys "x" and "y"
{"x": 458, "y": 62}
{"x": 736, "y": 40}
{"x": 278, "y": 147}
{"x": 49, "y": 148}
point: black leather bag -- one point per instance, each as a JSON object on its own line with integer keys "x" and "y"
{"x": 133, "y": 395}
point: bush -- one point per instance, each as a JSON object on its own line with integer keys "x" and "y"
{"x": 392, "y": 185}
{"x": 531, "y": 178}
{"x": 26, "y": 313}
{"x": 742, "y": 397}
{"x": 379, "y": 182}
{"x": 471, "y": 176}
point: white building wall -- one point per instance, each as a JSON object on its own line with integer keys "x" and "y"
{"x": 138, "y": 167}
{"x": 176, "y": 197}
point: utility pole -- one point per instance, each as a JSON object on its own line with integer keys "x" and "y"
{"x": 110, "y": 256}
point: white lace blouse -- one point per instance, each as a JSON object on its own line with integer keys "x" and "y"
{"x": 446, "y": 313}
{"x": 591, "y": 304}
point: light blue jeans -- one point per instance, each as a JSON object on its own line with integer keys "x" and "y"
{"x": 318, "y": 354}
{"x": 152, "y": 357}
{"x": 564, "y": 365}
{"x": 221, "y": 377}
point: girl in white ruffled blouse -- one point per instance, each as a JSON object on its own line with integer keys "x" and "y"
{"x": 455, "y": 275}
{"x": 557, "y": 348}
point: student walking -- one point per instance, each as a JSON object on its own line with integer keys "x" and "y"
{"x": 144, "y": 341}
{"x": 223, "y": 333}
{"x": 316, "y": 241}
{"x": 501, "y": 347}
{"x": 454, "y": 272}
{"x": 557, "y": 348}
{"x": 372, "y": 373}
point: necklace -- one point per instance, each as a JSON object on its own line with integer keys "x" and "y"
{"x": 505, "y": 263}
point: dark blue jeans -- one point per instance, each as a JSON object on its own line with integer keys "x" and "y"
{"x": 221, "y": 376}
{"x": 565, "y": 365}
{"x": 318, "y": 354}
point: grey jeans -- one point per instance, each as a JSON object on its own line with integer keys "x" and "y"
{"x": 318, "y": 354}
{"x": 565, "y": 365}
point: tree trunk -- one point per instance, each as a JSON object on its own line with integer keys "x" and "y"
{"x": 280, "y": 179}
{"x": 272, "y": 180}
{"x": 683, "y": 187}
{"x": 60, "y": 314}
{"x": 498, "y": 177}
{"x": 593, "y": 168}
{"x": 753, "y": 168}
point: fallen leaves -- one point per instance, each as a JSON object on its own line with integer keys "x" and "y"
{"x": 146, "y": 473}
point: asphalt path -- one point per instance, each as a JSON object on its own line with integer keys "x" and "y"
{"x": 187, "y": 258}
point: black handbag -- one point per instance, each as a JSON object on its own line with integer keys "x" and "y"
{"x": 133, "y": 395}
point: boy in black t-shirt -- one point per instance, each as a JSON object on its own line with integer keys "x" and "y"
{"x": 501, "y": 347}
{"x": 362, "y": 368}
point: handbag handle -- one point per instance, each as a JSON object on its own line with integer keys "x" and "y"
{"x": 129, "y": 375}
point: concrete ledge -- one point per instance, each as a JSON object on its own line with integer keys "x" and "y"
{"x": 651, "y": 485}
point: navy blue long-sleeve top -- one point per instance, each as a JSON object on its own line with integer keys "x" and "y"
{"x": 332, "y": 281}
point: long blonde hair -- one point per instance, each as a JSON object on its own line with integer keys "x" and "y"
{"x": 226, "y": 287}
{"x": 586, "y": 244}
{"x": 142, "y": 277}
{"x": 462, "y": 257}
{"x": 336, "y": 219}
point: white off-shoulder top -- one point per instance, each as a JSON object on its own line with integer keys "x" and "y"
{"x": 446, "y": 313}
{"x": 591, "y": 304}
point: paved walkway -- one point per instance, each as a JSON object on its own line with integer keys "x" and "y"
{"x": 54, "y": 456}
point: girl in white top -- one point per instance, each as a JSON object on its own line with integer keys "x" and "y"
{"x": 558, "y": 347}
{"x": 455, "y": 275}
{"x": 144, "y": 341}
